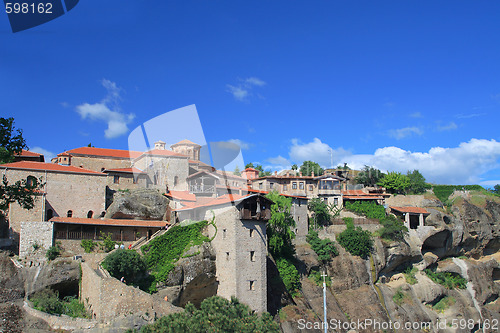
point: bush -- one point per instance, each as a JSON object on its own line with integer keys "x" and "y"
{"x": 47, "y": 300}
{"x": 53, "y": 252}
{"x": 324, "y": 248}
{"x": 125, "y": 263}
{"x": 443, "y": 304}
{"x": 320, "y": 210}
{"x": 409, "y": 274}
{"x": 392, "y": 229}
{"x": 88, "y": 245}
{"x": 216, "y": 314}
{"x": 399, "y": 297}
{"x": 289, "y": 274}
{"x": 356, "y": 241}
{"x": 368, "y": 208}
{"x": 447, "y": 279}
{"x": 317, "y": 277}
{"x": 108, "y": 244}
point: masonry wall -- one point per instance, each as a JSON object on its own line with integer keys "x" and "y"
{"x": 299, "y": 214}
{"x": 236, "y": 270}
{"x": 40, "y": 233}
{"x": 18, "y": 214}
{"x": 125, "y": 181}
{"x": 79, "y": 193}
{"x": 165, "y": 169}
{"x": 99, "y": 163}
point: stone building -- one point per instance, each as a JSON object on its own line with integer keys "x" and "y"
{"x": 96, "y": 159}
{"x": 414, "y": 217}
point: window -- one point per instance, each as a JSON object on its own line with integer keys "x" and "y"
{"x": 31, "y": 181}
{"x": 251, "y": 285}
{"x": 102, "y": 169}
{"x": 50, "y": 214}
{"x": 134, "y": 179}
{"x": 301, "y": 185}
{"x": 285, "y": 187}
{"x": 224, "y": 233}
{"x": 310, "y": 188}
{"x": 102, "y": 214}
{"x": 325, "y": 200}
{"x": 252, "y": 232}
{"x": 271, "y": 185}
{"x": 70, "y": 213}
{"x": 116, "y": 179}
{"x": 90, "y": 214}
{"x": 252, "y": 255}
{"x": 176, "y": 180}
{"x": 294, "y": 185}
{"x": 227, "y": 255}
{"x": 336, "y": 201}
{"x": 260, "y": 186}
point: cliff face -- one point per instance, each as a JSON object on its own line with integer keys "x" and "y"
{"x": 462, "y": 240}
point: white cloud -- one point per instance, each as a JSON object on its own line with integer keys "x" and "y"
{"x": 47, "y": 154}
{"x": 108, "y": 110}
{"x": 279, "y": 161}
{"x": 489, "y": 183}
{"x": 243, "y": 145}
{"x": 416, "y": 115}
{"x": 243, "y": 90}
{"x": 451, "y": 126}
{"x": 402, "y": 133}
{"x": 470, "y": 115}
{"x": 464, "y": 164}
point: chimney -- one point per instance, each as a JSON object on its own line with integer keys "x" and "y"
{"x": 312, "y": 173}
{"x": 300, "y": 173}
{"x": 288, "y": 173}
{"x": 275, "y": 173}
{"x": 160, "y": 145}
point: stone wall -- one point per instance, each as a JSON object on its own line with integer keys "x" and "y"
{"x": 99, "y": 163}
{"x": 40, "y": 233}
{"x": 299, "y": 213}
{"x": 18, "y": 214}
{"x": 165, "y": 169}
{"x": 60, "y": 322}
{"x": 405, "y": 200}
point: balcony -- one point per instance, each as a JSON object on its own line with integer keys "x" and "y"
{"x": 202, "y": 188}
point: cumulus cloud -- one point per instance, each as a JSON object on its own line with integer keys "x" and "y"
{"x": 464, "y": 164}
{"x": 47, "y": 154}
{"x": 279, "y": 161}
{"x": 243, "y": 90}
{"x": 451, "y": 126}
{"x": 402, "y": 133}
{"x": 243, "y": 145}
{"x": 108, "y": 111}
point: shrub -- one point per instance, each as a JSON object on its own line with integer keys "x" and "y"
{"x": 409, "y": 274}
{"x": 88, "y": 245}
{"x": 47, "y": 300}
{"x": 356, "y": 241}
{"x": 289, "y": 275}
{"x": 324, "y": 248}
{"x": 108, "y": 244}
{"x": 443, "y": 304}
{"x": 125, "y": 263}
{"x": 368, "y": 208}
{"x": 320, "y": 210}
{"x": 399, "y": 297}
{"x": 74, "y": 308}
{"x": 53, "y": 252}
{"x": 392, "y": 229}
{"x": 317, "y": 277}
{"x": 447, "y": 279}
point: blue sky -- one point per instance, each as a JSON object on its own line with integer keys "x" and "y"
{"x": 398, "y": 85}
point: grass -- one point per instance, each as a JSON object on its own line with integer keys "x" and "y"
{"x": 443, "y": 304}
{"x": 409, "y": 274}
{"x": 315, "y": 276}
{"x": 447, "y": 279}
{"x": 400, "y": 297}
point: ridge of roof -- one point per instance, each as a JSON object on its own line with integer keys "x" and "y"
{"x": 106, "y": 152}
{"x": 31, "y": 165}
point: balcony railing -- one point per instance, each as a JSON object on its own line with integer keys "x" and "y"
{"x": 202, "y": 188}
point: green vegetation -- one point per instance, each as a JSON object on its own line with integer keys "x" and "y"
{"x": 237, "y": 171}
{"x": 409, "y": 274}
{"x": 53, "y": 252}
{"x": 279, "y": 227}
{"x": 316, "y": 276}
{"x": 47, "y": 300}
{"x": 108, "y": 244}
{"x": 88, "y": 245}
{"x": 321, "y": 211}
{"x": 443, "y": 304}
{"x": 308, "y": 167}
{"x": 395, "y": 182}
{"x": 216, "y": 314}
{"x": 356, "y": 241}
{"x": 496, "y": 189}
{"x": 324, "y": 248}
{"x": 369, "y": 176}
{"x": 368, "y": 208}
{"x": 289, "y": 275}
{"x": 443, "y": 192}
{"x": 399, "y": 297}
{"x": 447, "y": 279}
{"x": 127, "y": 264}
{"x": 417, "y": 183}
{"x": 162, "y": 252}
{"x": 393, "y": 229}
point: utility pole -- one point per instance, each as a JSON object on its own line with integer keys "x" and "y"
{"x": 325, "y": 323}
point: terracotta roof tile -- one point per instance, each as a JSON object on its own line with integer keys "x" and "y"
{"x": 415, "y": 210}
{"x": 109, "y": 222}
{"x": 362, "y": 197}
{"x": 41, "y": 166}
{"x": 185, "y": 142}
{"x": 227, "y": 198}
{"x": 181, "y": 195}
{"x": 117, "y": 153}
{"x": 27, "y": 153}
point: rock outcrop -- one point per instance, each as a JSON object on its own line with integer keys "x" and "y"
{"x": 138, "y": 204}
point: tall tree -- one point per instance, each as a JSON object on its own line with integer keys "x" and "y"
{"x": 249, "y": 165}
{"x": 395, "y": 182}
{"x": 279, "y": 227}
{"x": 11, "y": 140}
{"x": 417, "y": 182}
{"x": 294, "y": 167}
{"x": 496, "y": 189}
{"x": 369, "y": 176}
{"x": 308, "y": 167}
{"x": 321, "y": 211}
{"x": 237, "y": 171}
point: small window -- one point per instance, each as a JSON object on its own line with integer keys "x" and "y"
{"x": 134, "y": 179}
{"x": 102, "y": 214}
{"x": 90, "y": 214}
{"x": 70, "y": 213}
{"x": 336, "y": 201}
{"x": 271, "y": 185}
{"x": 325, "y": 200}
{"x": 50, "y": 214}
{"x": 31, "y": 181}
{"x": 176, "y": 180}
{"x": 260, "y": 186}
{"x": 298, "y": 217}
{"x": 227, "y": 255}
{"x": 252, "y": 255}
{"x": 224, "y": 233}
{"x": 285, "y": 187}
{"x": 252, "y": 285}
{"x": 294, "y": 185}
{"x": 116, "y": 179}
{"x": 102, "y": 169}
{"x": 310, "y": 188}
{"x": 252, "y": 232}
{"x": 301, "y": 185}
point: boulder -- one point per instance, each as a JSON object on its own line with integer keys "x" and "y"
{"x": 139, "y": 204}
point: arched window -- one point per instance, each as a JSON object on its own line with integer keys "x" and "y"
{"x": 176, "y": 180}
{"x": 31, "y": 181}
{"x": 102, "y": 169}
{"x": 70, "y": 213}
{"x": 90, "y": 214}
{"x": 49, "y": 215}
{"x": 102, "y": 214}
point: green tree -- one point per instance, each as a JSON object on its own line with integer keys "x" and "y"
{"x": 356, "y": 241}
{"x": 417, "y": 182}
{"x": 294, "y": 167}
{"x": 125, "y": 263}
{"x": 262, "y": 173}
{"x": 11, "y": 140}
{"x": 237, "y": 171}
{"x": 496, "y": 189}
{"x": 369, "y": 176}
{"x": 395, "y": 182}
{"x": 321, "y": 211}
{"x": 324, "y": 248}
{"x": 249, "y": 165}
{"x": 308, "y": 167}
{"x": 216, "y": 314}
{"x": 392, "y": 229}
{"x": 279, "y": 227}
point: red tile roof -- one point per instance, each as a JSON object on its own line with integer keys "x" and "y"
{"x": 362, "y": 197}
{"x": 125, "y": 170}
{"x": 109, "y": 222}
{"x": 41, "y": 166}
{"x": 181, "y": 195}
{"x": 116, "y": 153}
{"x": 285, "y": 195}
{"x": 27, "y": 153}
{"x": 414, "y": 210}
{"x": 185, "y": 142}
{"x": 227, "y": 198}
